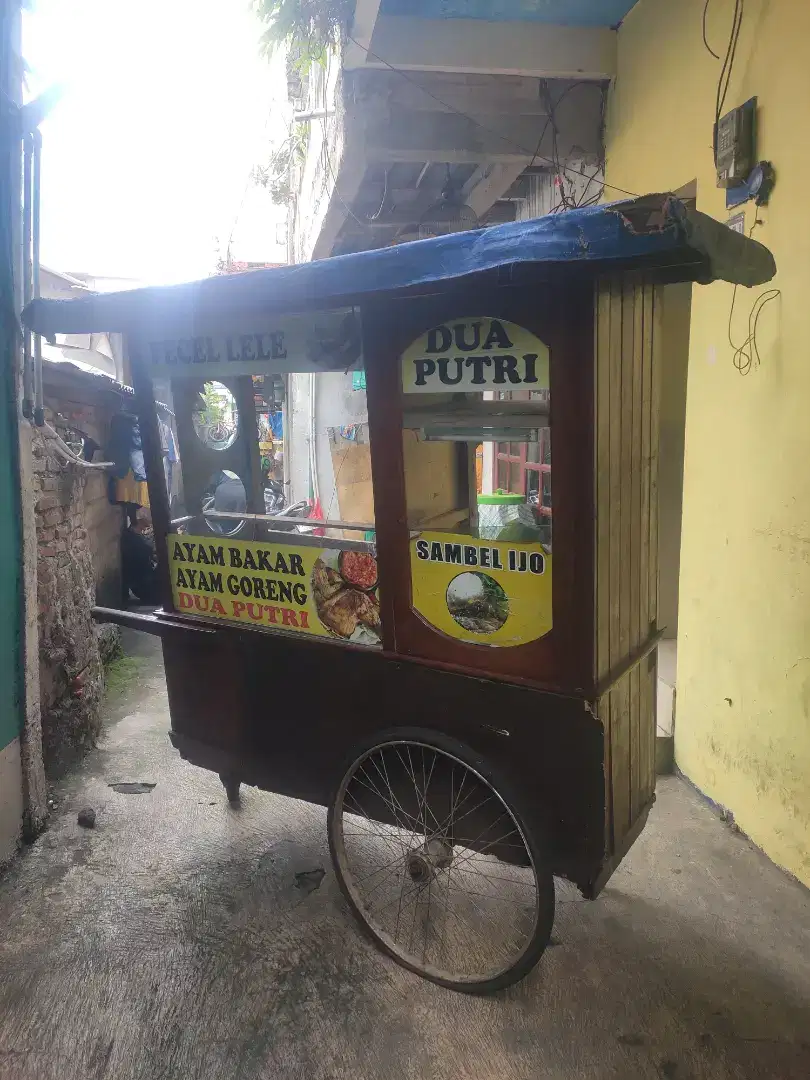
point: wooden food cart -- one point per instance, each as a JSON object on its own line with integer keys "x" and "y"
{"x": 465, "y": 677}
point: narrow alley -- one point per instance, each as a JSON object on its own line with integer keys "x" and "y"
{"x": 183, "y": 938}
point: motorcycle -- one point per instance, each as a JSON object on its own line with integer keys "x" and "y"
{"x": 274, "y": 505}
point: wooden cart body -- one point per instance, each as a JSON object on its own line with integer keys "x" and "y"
{"x": 568, "y": 718}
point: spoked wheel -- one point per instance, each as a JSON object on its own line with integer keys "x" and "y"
{"x": 438, "y": 866}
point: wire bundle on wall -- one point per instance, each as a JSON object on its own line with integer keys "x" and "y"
{"x": 705, "y": 38}
{"x": 568, "y": 201}
{"x": 747, "y": 355}
{"x": 728, "y": 62}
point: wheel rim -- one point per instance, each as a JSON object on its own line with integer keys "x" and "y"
{"x": 430, "y": 881}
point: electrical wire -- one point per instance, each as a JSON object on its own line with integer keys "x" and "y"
{"x": 582, "y": 202}
{"x": 375, "y": 216}
{"x": 595, "y": 198}
{"x": 705, "y": 39}
{"x": 551, "y": 119}
{"x": 555, "y": 105}
{"x": 483, "y": 127}
{"x": 731, "y": 52}
{"x": 746, "y": 355}
{"x": 728, "y": 63}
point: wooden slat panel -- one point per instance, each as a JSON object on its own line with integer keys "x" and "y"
{"x": 655, "y": 345}
{"x": 638, "y": 627}
{"x": 655, "y": 411}
{"x": 629, "y": 526}
{"x": 602, "y": 474}
{"x": 615, "y": 417}
{"x": 603, "y": 712}
{"x": 645, "y": 749}
{"x": 623, "y": 743}
{"x": 646, "y": 453}
{"x": 619, "y": 580}
{"x": 635, "y": 691}
{"x": 638, "y": 541}
{"x": 602, "y": 505}
{"x": 627, "y": 399}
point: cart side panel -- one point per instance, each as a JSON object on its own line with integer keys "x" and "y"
{"x": 284, "y": 714}
{"x": 627, "y": 402}
{"x": 208, "y": 689}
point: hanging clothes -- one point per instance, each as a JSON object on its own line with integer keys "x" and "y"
{"x": 128, "y": 491}
{"x": 168, "y": 450}
{"x": 127, "y": 483}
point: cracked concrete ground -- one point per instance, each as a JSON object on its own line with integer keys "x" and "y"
{"x": 172, "y": 941}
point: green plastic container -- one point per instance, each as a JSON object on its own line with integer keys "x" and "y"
{"x": 502, "y": 517}
{"x": 501, "y": 498}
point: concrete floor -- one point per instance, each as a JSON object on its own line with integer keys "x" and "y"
{"x": 172, "y": 942}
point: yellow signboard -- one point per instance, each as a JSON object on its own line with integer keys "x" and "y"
{"x": 482, "y": 591}
{"x": 309, "y": 590}
{"x": 475, "y": 354}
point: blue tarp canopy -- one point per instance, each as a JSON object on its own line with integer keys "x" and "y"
{"x": 656, "y": 232}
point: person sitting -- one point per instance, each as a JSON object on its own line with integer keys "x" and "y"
{"x": 139, "y": 560}
{"x": 229, "y": 495}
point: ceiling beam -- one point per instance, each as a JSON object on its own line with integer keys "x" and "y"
{"x": 403, "y": 135}
{"x": 437, "y": 90}
{"x": 496, "y": 48}
{"x": 486, "y": 185}
{"x": 355, "y": 52}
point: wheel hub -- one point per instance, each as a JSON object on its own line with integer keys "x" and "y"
{"x": 422, "y": 864}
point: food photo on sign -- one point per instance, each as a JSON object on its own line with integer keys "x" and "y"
{"x": 344, "y": 588}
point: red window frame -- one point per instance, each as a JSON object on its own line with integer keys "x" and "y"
{"x": 505, "y": 459}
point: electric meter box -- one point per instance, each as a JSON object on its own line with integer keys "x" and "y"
{"x": 735, "y": 145}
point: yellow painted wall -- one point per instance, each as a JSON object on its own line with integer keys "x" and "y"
{"x": 743, "y": 717}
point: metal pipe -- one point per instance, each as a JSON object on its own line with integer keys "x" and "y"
{"x": 313, "y": 450}
{"x": 64, "y": 451}
{"x": 28, "y": 380}
{"x": 286, "y": 420}
{"x": 39, "y": 402}
{"x": 309, "y": 523}
{"x": 313, "y": 114}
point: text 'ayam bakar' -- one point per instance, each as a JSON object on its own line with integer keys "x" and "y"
{"x": 214, "y": 583}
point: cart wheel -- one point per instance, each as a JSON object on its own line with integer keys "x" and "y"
{"x": 438, "y": 864}
{"x": 231, "y": 785}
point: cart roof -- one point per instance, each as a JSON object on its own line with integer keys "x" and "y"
{"x": 656, "y": 232}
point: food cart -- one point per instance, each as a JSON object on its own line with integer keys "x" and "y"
{"x": 462, "y": 671}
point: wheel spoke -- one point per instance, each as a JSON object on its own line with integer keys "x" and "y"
{"x": 443, "y": 904}
{"x": 387, "y": 802}
{"x": 379, "y": 826}
{"x": 393, "y": 801}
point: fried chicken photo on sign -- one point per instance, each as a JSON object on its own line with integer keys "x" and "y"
{"x": 339, "y": 613}
{"x": 326, "y": 582}
{"x": 368, "y": 612}
{"x": 342, "y": 613}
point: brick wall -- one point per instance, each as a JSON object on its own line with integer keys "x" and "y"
{"x": 79, "y": 562}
